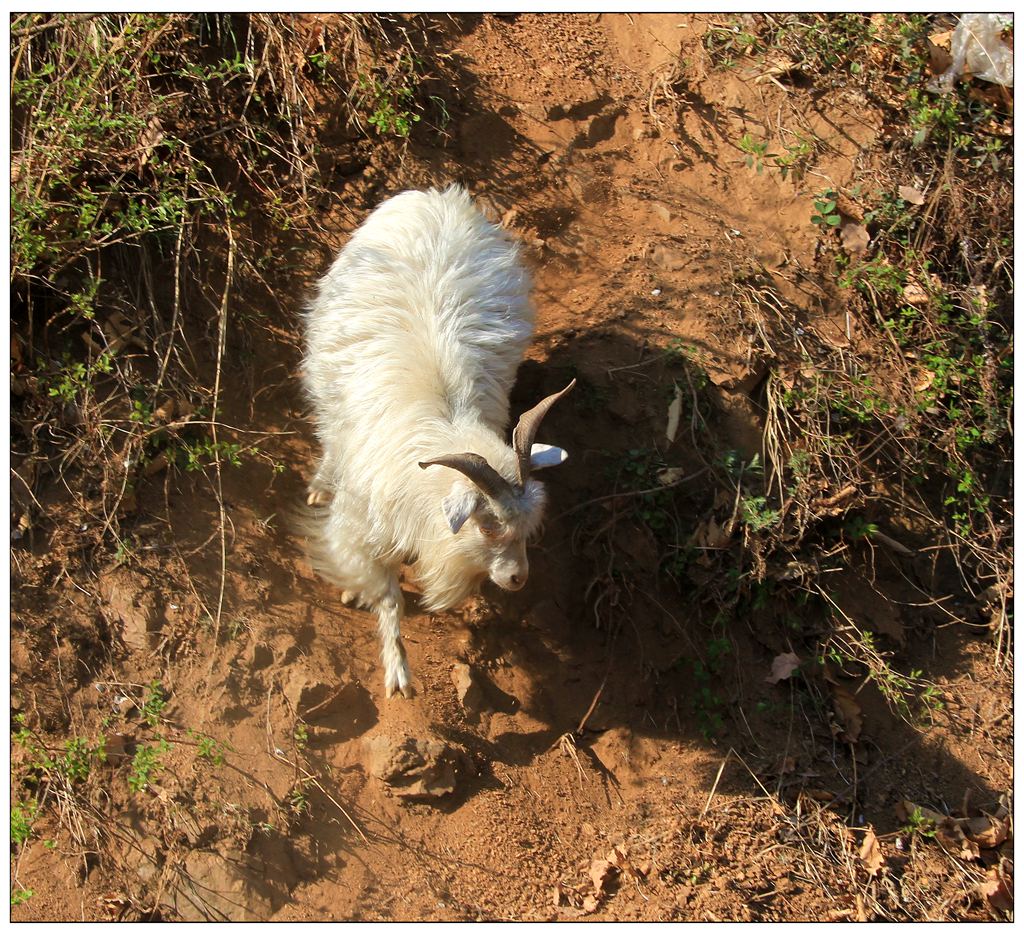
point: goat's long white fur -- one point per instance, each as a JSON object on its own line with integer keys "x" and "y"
{"x": 412, "y": 344}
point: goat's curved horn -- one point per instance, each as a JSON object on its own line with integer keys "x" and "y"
{"x": 526, "y": 431}
{"x": 477, "y": 470}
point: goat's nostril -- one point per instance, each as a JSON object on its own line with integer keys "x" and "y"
{"x": 516, "y": 580}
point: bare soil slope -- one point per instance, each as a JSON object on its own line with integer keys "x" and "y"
{"x": 589, "y": 746}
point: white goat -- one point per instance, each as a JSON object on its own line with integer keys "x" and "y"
{"x": 412, "y": 345}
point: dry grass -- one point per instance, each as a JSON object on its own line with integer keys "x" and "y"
{"x": 165, "y": 166}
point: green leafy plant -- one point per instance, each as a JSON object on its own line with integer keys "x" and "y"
{"x": 918, "y": 824}
{"x": 757, "y": 152}
{"x": 859, "y": 528}
{"x": 298, "y": 798}
{"x": 794, "y": 160}
{"x": 391, "y": 97}
{"x": 198, "y": 454}
{"x": 301, "y": 737}
{"x": 725, "y": 44}
{"x": 208, "y": 748}
{"x": 826, "y": 213}
{"x": 796, "y": 157}
{"x": 153, "y": 703}
{"x": 76, "y": 377}
{"x": 23, "y": 815}
{"x": 757, "y": 514}
{"x": 72, "y": 764}
{"x": 145, "y": 764}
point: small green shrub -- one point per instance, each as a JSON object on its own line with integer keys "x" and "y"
{"x": 826, "y": 213}
{"x": 146, "y": 765}
{"x": 23, "y": 815}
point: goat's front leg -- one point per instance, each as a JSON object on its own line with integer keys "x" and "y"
{"x": 392, "y": 653}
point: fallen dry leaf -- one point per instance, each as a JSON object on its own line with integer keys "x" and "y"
{"x": 568, "y": 896}
{"x": 926, "y": 379}
{"x": 939, "y": 51}
{"x": 119, "y": 748}
{"x": 997, "y": 888}
{"x": 849, "y": 208}
{"x": 156, "y": 465}
{"x": 951, "y": 836}
{"x": 987, "y": 831}
{"x": 855, "y": 238}
{"x": 783, "y": 666}
{"x": 848, "y": 714}
{"x": 911, "y": 194}
{"x": 601, "y": 873}
{"x": 870, "y": 854}
{"x": 671, "y": 475}
{"x": 165, "y": 412}
{"x": 915, "y": 293}
{"x": 709, "y": 534}
{"x": 619, "y": 857}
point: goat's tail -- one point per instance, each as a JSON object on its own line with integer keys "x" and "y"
{"x": 308, "y": 523}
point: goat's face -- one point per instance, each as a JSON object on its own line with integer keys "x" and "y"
{"x": 504, "y": 513}
{"x": 508, "y": 567}
{"x": 493, "y": 532}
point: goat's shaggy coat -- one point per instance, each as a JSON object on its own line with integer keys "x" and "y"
{"x": 412, "y": 345}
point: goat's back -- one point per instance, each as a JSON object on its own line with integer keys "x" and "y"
{"x": 424, "y": 314}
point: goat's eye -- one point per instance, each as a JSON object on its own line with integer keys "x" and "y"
{"x": 488, "y": 531}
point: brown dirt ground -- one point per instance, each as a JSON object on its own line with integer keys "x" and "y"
{"x": 636, "y": 221}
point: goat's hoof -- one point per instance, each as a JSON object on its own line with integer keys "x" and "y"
{"x": 319, "y": 496}
{"x": 397, "y": 684}
{"x": 350, "y": 598}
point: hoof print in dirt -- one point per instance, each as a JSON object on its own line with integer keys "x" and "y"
{"x": 478, "y": 694}
{"x": 468, "y": 689}
{"x": 214, "y": 887}
{"x": 313, "y": 697}
{"x": 260, "y": 656}
{"x": 417, "y": 768}
{"x": 131, "y": 609}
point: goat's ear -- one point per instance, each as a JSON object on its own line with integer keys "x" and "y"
{"x": 542, "y": 456}
{"x": 459, "y": 506}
